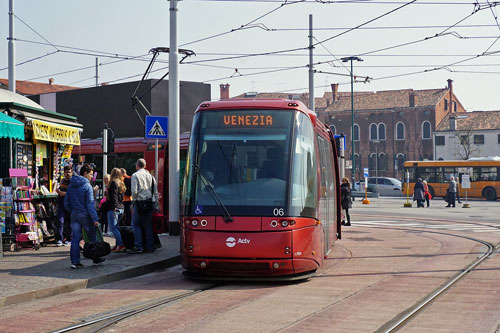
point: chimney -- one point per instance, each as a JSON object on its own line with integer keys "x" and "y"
{"x": 51, "y": 81}
{"x": 453, "y": 123}
{"x": 413, "y": 100}
{"x": 224, "y": 91}
{"x": 450, "y": 88}
{"x": 335, "y": 91}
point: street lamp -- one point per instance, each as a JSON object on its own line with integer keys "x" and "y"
{"x": 347, "y": 59}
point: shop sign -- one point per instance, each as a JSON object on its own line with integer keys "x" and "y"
{"x": 55, "y": 133}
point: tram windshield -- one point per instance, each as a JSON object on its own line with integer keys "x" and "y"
{"x": 245, "y": 157}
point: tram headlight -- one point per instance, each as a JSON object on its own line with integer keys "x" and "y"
{"x": 274, "y": 223}
{"x": 203, "y": 223}
{"x": 203, "y": 264}
{"x": 292, "y": 222}
{"x": 276, "y": 265}
{"x": 284, "y": 223}
{"x": 194, "y": 223}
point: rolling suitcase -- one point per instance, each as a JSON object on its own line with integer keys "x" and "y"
{"x": 127, "y": 236}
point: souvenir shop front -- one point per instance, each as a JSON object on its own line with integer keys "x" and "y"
{"x": 31, "y": 167}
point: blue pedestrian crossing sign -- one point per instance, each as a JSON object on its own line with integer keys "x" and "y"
{"x": 156, "y": 127}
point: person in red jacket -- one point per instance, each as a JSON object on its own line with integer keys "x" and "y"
{"x": 427, "y": 194}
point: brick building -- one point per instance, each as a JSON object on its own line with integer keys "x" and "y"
{"x": 396, "y": 125}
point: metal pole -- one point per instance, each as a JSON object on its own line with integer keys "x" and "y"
{"x": 156, "y": 160}
{"x": 376, "y": 167}
{"x": 104, "y": 154}
{"x": 12, "y": 65}
{"x": 342, "y": 156}
{"x": 96, "y": 73}
{"x": 173, "y": 126}
{"x": 311, "y": 69}
{"x": 352, "y": 128}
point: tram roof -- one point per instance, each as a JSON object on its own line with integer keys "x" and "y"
{"x": 266, "y": 104}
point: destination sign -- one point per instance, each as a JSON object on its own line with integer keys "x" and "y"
{"x": 248, "y": 120}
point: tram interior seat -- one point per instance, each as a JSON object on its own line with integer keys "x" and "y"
{"x": 274, "y": 166}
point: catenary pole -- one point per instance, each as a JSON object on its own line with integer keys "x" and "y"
{"x": 104, "y": 154}
{"x": 12, "y": 65}
{"x": 96, "y": 72}
{"x": 311, "y": 69}
{"x": 173, "y": 126}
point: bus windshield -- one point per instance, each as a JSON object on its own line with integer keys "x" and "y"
{"x": 244, "y": 156}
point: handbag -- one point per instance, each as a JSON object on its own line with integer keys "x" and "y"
{"x": 98, "y": 249}
{"x": 144, "y": 206}
{"x": 147, "y": 206}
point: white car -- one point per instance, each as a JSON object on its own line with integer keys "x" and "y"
{"x": 385, "y": 185}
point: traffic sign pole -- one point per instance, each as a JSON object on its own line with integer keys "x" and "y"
{"x": 366, "y": 174}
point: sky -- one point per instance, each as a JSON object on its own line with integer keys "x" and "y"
{"x": 262, "y": 45}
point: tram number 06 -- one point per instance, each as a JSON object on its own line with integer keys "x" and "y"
{"x": 278, "y": 211}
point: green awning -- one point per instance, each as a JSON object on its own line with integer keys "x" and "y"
{"x": 11, "y": 128}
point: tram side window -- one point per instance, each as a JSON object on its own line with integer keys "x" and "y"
{"x": 304, "y": 175}
{"x": 323, "y": 201}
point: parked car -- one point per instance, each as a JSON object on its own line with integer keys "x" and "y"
{"x": 385, "y": 185}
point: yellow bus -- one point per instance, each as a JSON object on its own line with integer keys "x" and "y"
{"x": 484, "y": 176}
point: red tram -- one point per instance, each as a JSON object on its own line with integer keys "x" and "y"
{"x": 261, "y": 195}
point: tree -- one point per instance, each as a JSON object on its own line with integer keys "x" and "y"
{"x": 465, "y": 147}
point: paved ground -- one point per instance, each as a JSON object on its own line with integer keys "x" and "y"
{"x": 30, "y": 274}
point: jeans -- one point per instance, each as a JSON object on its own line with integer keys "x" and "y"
{"x": 78, "y": 222}
{"x": 127, "y": 211}
{"x": 113, "y": 218}
{"x": 144, "y": 220}
{"x": 61, "y": 214}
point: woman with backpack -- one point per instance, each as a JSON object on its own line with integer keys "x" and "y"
{"x": 115, "y": 190}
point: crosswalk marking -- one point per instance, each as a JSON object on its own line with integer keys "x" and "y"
{"x": 430, "y": 225}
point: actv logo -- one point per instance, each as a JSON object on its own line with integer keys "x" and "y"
{"x": 231, "y": 241}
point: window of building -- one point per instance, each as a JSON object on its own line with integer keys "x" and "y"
{"x": 400, "y": 131}
{"x": 333, "y": 129}
{"x": 479, "y": 139}
{"x": 381, "y": 131}
{"x": 373, "y": 132}
{"x": 356, "y": 132}
{"x": 446, "y": 104}
{"x": 382, "y": 161}
{"x": 455, "y": 106}
{"x": 440, "y": 140}
{"x": 371, "y": 162}
{"x": 498, "y": 138}
{"x": 464, "y": 139}
{"x": 426, "y": 130}
{"x": 400, "y": 160}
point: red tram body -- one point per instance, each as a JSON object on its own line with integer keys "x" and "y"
{"x": 261, "y": 195}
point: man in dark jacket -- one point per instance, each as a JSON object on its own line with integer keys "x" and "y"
{"x": 62, "y": 214}
{"x": 79, "y": 200}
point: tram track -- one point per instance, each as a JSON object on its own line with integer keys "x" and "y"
{"x": 407, "y": 315}
{"x": 105, "y": 321}
{"x": 100, "y": 323}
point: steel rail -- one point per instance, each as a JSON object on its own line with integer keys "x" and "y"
{"x": 396, "y": 324}
{"x": 114, "y": 318}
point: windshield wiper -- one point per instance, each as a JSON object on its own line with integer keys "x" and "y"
{"x": 215, "y": 196}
